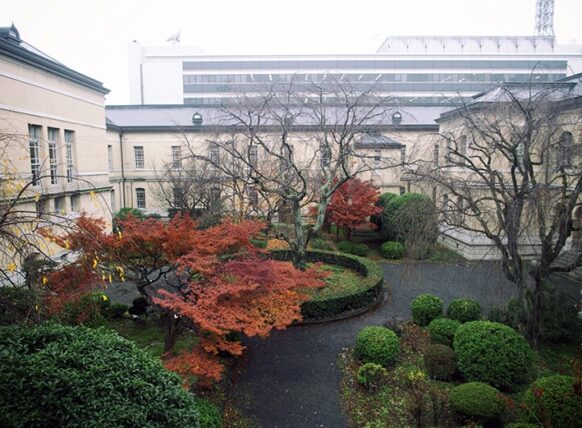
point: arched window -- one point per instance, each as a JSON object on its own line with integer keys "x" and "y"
{"x": 565, "y": 150}
{"x": 140, "y": 197}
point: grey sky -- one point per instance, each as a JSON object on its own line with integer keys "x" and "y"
{"x": 92, "y": 36}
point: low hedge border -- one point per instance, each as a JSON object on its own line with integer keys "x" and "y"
{"x": 340, "y": 307}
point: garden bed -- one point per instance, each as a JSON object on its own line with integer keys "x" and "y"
{"x": 347, "y": 300}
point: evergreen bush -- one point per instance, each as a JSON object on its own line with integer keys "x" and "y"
{"x": 477, "y": 401}
{"x": 378, "y": 345}
{"x": 464, "y": 310}
{"x": 440, "y": 362}
{"x": 442, "y": 330}
{"x": 392, "y": 250}
{"x": 425, "y": 308}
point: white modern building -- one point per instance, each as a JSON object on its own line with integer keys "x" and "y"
{"x": 411, "y": 70}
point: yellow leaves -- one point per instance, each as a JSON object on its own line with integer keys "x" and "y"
{"x": 44, "y": 280}
{"x": 104, "y": 297}
{"x": 110, "y": 279}
{"x": 119, "y": 235}
{"x": 37, "y": 197}
{"x": 95, "y": 263}
{"x": 67, "y": 245}
{"x": 36, "y": 307}
{"x": 93, "y": 195}
{"x": 120, "y": 272}
{"x": 11, "y": 267}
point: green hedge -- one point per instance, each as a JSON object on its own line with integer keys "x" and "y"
{"x": 376, "y": 344}
{"x": 333, "y": 306}
{"x": 55, "y": 376}
{"x": 477, "y": 401}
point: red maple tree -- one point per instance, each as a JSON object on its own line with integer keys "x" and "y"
{"x": 352, "y": 205}
{"x": 214, "y": 278}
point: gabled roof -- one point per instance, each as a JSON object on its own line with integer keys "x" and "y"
{"x": 14, "y": 48}
{"x": 376, "y": 141}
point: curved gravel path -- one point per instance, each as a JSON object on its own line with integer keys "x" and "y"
{"x": 291, "y": 379}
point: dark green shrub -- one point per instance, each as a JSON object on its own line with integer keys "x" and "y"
{"x": 383, "y": 200}
{"x": 322, "y": 244}
{"x": 361, "y": 250}
{"x": 116, "y": 310}
{"x": 208, "y": 414}
{"x": 521, "y": 425}
{"x": 493, "y": 353}
{"x": 464, "y": 310}
{"x": 554, "y": 401}
{"x": 426, "y": 308}
{"x": 378, "y": 345}
{"x": 123, "y": 213}
{"x": 477, "y": 401}
{"x": 411, "y": 218}
{"x": 18, "y": 305}
{"x": 87, "y": 311}
{"x": 442, "y": 330}
{"x": 440, "y": 362}
{"x": 392, "y": 250}
{"x": 258, "y": 242}
{"x": 54, "y": 375}
{"x": 370, "y": 375}
{"x": 344, "y": 246}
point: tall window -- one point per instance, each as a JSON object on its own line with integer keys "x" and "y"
{"x": 138, "y": 155}
{"x": 214, "y": 155}
{"x": 109, "y": 157}
{"x": 53, "y": 135}
{"x": 140, "y": 197}
{"x": 254, "y": 197}
{"x": 377, "y": 159}
{"x": 75, "y": 203}
{"x": 463, "y": 145}
{"x": 33, "y": 146}
{"x": 403, "y": 155}
{"x": 69, "y": 140}
{"x": 113, "y": 204}
{"x": 178, "y": 197}
{"x": 253, "y": 156}
{"x": 436, "y": 155}
{"x": 519, "y": 154}
{"x": 565, "y": 150}
{"x": 60, "y": 205}
{"x": 176, "y": 157}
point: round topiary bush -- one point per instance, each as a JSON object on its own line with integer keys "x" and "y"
{"x": 464, "y": 310}
{"x": 370, "y": 375}
{"x": 553, "y": 401}
{"x": 477, "y": 401}
{"x": 493, "y": 353}
{"x": 344, "y": 246}
{"x": 440, "y": 362}
{"x": 442, "y": 330}
{"x": 425, "y": 308}
{"x": 392, "y": 250}
{"x": 378, "y": 345}
{"x": 360, "y": 250}
{"x": 55, "y": 375}
{"x": 208, "y": 414}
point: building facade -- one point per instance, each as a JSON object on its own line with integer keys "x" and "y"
{"x": 52, "y": 122}
{"x": 410, "y": 70}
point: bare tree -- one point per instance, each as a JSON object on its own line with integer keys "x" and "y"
{"x": 512, "y": 173}
{"x": 295, "y": 144}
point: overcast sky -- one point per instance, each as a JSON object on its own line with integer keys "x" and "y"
{"x": 92, "y": 37}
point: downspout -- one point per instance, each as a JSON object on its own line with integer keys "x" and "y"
{"x": 123, "y": 204}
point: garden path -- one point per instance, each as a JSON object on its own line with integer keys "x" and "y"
{"x": 291, "y": 379}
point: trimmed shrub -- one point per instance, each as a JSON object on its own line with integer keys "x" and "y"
{"x": 521, "y": 425}
{"x": 493, "y": 353}
{"x": 17, "y": 305}
{"x": 442, "y": 330}
{"x": 464, "y": 310}
{"x": 258, "y": 242}
{"x": 116, "y": 310}
{"x": 392, "y": 250}
{"x": 361, "y": 250}
{"x": 477, "y": 401}
{"x": 55, "y": 375}
{"x": 425, "y": 308}
{"x": 370, "y": 375}
{"x": 322, "y": 244}
{"x": 208, "y": 414}
{"x": 87, "y": 311}
{"x": 553, "y": 401}
{"x": 344, "y": 246}
{"x": 378, "y": 345}
{"x": 440, "y": 362}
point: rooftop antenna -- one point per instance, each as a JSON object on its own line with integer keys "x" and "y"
{"x": 544, "y": 18}
{"x": 175, "y": 38}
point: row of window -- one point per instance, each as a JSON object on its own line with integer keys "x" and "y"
{"x": 373, "y": 78}
{"x": 54, "y": 151}
{"x": 59, "y": 205}
{"x": 367, "y": 64}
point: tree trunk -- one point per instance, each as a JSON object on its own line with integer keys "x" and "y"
{"x": 171, "y": 324}
{"x": 300, "y": 244}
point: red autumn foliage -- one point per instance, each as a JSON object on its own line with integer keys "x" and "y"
{"x": 233, "y": 286}
{"x": 352, "y": 205}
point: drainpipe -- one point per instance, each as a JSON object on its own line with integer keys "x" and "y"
{"x": 123, "y": 204}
